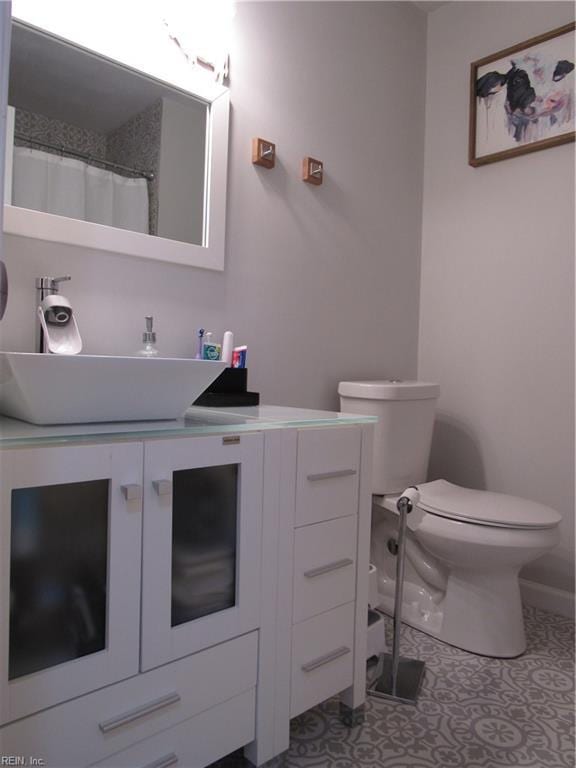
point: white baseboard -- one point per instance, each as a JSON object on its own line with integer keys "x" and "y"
{"x": 547, "y": 598}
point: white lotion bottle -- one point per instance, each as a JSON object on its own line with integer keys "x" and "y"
{"x": 227, "y": 348}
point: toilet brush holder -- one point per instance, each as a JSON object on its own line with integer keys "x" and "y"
{"x": 396, "y": 678}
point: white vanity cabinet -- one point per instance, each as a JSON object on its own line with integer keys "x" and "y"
{"x": 91, "y": 533}
{"x": 168, "y": 599}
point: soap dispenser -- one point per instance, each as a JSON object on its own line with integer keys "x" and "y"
{"x": 149, "y": 339}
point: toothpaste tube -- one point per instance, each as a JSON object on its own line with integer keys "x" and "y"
{"x": 239, "y": 357}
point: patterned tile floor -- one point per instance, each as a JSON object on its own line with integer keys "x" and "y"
{"x": 473, "y": 712}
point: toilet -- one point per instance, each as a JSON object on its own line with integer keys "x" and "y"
{"x": 464, "y": 547}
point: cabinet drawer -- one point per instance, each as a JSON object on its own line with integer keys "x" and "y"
{"x": 324, "y": 566}
{"x": 322, "y": 657}
{"x": 327, "y": 474}
{"x": 89, "y": 728}
{"x": 196, "y": 742}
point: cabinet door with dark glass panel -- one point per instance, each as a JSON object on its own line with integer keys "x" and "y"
{"x": 201, "y": 552}
{"x": 70, "y": 533}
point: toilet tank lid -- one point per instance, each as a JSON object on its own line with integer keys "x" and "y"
{"x": 389, "y": 389}
{"x": 484, "y": 507}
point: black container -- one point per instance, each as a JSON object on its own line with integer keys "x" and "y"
{"x": 227, "y": 399}
{"x": 229, "y": 391}
{"x": 230, "y": 380}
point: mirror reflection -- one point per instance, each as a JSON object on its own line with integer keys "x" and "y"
{"x": 96, "y": 141}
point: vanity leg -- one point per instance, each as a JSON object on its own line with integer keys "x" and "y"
{"x": 352, "y": 716}
{"x": 276, "y": 762}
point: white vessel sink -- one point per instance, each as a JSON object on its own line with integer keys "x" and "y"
{"x": 73, "y": 389}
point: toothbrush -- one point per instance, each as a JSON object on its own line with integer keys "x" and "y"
{"x": 201, "y": 333}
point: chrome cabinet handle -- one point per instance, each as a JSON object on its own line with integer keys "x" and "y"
{"x": 162, "y": 487}
{"x": 326, "y": 659}
{"x": 336, "y": 565}
{"x": 132, "y": 492}
{"x": 129, "y": 717}
{"x": 163, "y": 762}
{"x": 329, "y": 475}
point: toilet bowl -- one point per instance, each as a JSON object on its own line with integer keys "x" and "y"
{"x": 465, "y": 549}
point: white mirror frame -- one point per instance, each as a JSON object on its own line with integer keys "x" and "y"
{"x": 59, "y": 229}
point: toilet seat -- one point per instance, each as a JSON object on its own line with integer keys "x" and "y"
{"x": 445, "y": 499}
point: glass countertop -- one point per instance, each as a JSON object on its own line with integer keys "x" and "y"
{"x": 196, "y": 421}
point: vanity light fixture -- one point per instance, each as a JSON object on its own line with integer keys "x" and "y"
{"x": 263, "y": 153}
{"x": 312, "y": 171}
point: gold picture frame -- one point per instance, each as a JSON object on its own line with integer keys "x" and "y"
{"x": 522, "y": 98}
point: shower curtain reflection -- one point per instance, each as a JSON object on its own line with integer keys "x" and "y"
{"x": 68, "y": 187}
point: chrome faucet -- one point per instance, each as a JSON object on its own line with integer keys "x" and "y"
{"x": 57, "y": 328}
{"x": 45, "y": 286}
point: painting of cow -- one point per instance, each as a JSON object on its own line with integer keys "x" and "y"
{"x": 523, "y": 99}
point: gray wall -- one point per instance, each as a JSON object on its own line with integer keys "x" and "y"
{"x": 497, "y": 292}
{"x": 320, "y": 282}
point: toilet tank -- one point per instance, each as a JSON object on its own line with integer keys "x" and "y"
{"x": 403, "y": 433}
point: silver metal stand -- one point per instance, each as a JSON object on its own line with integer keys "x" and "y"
{"x": 398, "y": 678}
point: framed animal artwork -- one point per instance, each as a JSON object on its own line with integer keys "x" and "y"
{"x": 522, "y": 98}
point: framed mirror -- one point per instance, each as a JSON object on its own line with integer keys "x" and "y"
{"x": 104, "y": 156}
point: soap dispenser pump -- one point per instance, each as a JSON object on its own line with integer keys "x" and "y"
{"x": 149, "y": 339}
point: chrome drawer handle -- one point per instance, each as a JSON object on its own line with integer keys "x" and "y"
{"x": 134, "y": 714}
{"x": 163, "y": 762}
{"x": 131, "y": 492}
{"x": 335, "y": 566}
{"x": 330, "y": 475}
{"x": 326, "y": 659}
{"x": 162, "y": 487}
